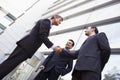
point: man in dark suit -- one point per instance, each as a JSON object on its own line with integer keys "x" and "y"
{"x": 92, "y": 56}
{"x": 56, "y": 64}
{"x": 28, "y": 45}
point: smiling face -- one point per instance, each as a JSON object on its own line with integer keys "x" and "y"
{"x": 56, "y": 20}
{"x": 69, "y": 44}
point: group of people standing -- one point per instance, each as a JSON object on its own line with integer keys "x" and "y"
{"x": 91, "y": 57}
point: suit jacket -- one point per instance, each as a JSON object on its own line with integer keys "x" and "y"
{"x": 93, "y": 54}
{"x": 60, "y": 63}
{"x": 38, "y": 35}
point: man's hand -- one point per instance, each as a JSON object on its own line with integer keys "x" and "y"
{"x": 42, "y": 67}
{"x": 57, "y": 49}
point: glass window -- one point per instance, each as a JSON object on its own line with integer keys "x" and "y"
{"x": 11, "y": 16}
{"x": 2, "y": 27}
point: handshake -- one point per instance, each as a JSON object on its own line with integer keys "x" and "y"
{"x": 57, "y": 49}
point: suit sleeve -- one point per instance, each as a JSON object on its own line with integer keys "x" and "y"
{"x": 68, "y": 68}
{"x": 72, "y": 55}
{"x": 105, "y": 48}
{"x": 46, "y": 41}
{"x": 43, "y": 32}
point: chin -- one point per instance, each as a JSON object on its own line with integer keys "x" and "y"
{"x": 56, "y": 24}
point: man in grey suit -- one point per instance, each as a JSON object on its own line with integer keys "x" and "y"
{"x": 56, "y": 64}
{"x": 92, "y": 56}
{"x": 27, "y": 46}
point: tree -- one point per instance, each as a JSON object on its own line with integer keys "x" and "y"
{"x": 114, "y": 74}
{"x": 109, "y": 77}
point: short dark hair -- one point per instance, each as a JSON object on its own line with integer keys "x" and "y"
{"x": 72, "y": 42}
{"x": 56, "y": 16}
{"x": 96, "y": 30}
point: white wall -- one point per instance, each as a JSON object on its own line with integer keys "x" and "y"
{"x": 18, "y": 29}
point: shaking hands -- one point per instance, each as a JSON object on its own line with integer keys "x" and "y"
{"x": 57, "y": 49}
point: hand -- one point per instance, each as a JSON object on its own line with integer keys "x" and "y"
{"x": 57, "y": 49}
{"x": 42, "y": 67}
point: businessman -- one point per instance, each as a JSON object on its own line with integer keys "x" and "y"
{"x": 27, "y": 46}
{"x": 92, "y": 56}
{"x": 56, "y": 64}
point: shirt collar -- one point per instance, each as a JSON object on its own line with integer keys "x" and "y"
{"x": 66, "y": 50}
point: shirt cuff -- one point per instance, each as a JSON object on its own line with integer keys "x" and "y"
{"x": 53, "y": 46}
